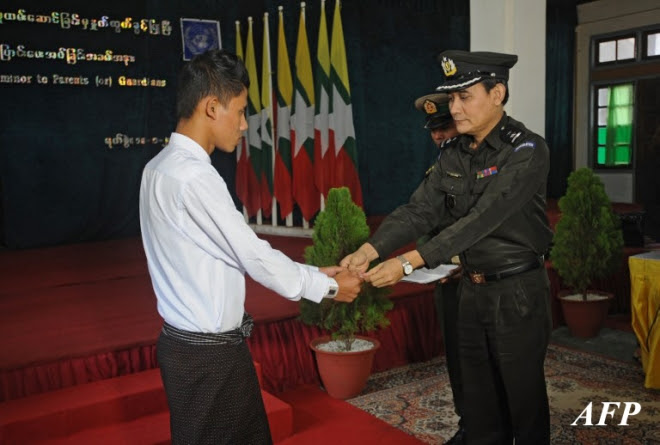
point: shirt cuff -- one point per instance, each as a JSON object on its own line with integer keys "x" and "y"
{"x": 316, "y": 284}
{"x": 331, "y": 283}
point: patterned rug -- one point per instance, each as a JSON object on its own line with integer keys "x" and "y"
{"x": 417, "y": 399}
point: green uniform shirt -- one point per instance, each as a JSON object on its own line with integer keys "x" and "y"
{"x": 489, "y": 203}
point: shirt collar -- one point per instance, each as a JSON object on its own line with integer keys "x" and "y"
{"x": 182, "y": 141}
{"x": 493, "y": 139}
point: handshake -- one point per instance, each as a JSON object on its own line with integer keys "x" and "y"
{"x": 353, "y": 271}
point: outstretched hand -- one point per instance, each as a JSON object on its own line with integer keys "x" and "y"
{"x": 349, "y": 286}
{"x": 358, "y": 261}
{"x": 386, "y": 273}
{"x": 331, "y": 271}
{"x": 355, "y": 262}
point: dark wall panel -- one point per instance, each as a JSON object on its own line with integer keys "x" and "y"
{"x": 62, "y": 182}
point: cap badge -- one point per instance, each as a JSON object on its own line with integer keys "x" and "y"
{"x": 448, "y": 67}
{"x": 429, "y": 107}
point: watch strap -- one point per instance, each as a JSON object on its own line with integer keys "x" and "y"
{"x": 405, "y": 264}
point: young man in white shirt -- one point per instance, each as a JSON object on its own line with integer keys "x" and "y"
{"x": 198, "y": 249}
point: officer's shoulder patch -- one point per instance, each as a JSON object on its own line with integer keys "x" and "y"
{"x": 449, "y": 142}
{"x": 512, "y": 133}
{"x": 528, "y": 144}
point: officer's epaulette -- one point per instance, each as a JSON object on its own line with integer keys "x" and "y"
{"x": 449, "y": 142}
{"x": 428, "y": 172}
{"x": 512, "y": 133}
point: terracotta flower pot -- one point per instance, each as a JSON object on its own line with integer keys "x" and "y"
{"x": 344, "y": 374}
{"x": 585, "y": 318}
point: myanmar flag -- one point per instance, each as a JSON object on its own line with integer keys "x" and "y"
{"x": 247, "y": 187}
{"x": 342, "y": 131}
{"x": 324, "y": 159}
{"x": 304, "y": 188}
{"x": 266, "y": 177}
{"x": 283, "y": 165}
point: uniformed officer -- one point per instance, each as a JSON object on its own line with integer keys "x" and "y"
{"x": 441, "y": 126}
{"x": 491, "y": 180}
{"x": 438, "y": 118}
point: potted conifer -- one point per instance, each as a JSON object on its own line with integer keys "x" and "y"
{"x": 587, "y": 244}
{"x": 344, "y": 358}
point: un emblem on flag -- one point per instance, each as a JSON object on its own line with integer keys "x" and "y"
{"x": 199, "y": 36}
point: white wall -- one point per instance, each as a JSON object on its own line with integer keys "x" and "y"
{"x": 516, "y": 27}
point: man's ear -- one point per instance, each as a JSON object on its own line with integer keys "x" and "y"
{"x": 498, "y": 92}
{"x": 211, "y": 106}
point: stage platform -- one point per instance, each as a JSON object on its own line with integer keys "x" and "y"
{"x": 78, "y": 327}
{"x": 82, "y": 313}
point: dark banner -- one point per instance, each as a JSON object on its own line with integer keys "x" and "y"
{"x": 88, "y": 97}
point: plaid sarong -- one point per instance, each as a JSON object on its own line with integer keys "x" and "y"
{"x": 212, "y": 387}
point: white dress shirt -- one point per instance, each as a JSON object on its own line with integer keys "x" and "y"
{"x": 199, "y": 247}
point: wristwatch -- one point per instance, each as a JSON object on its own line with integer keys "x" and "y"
{"x": 407, "y": 267}
{"x": 333, "y": 289}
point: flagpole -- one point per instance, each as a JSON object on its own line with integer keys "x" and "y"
{"x": 302, "y": 17}
{"x": 322, "y": 203}
{"x": 254, "y": 81}
{"x": 289, "y": 217}
{"x": 269, "y": 111}
{"x": 239, "y": 147}
{"x": 322, "y": 159}
{"x": 283, "y": 139}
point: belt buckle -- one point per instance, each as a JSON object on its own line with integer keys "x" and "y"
{"x": 477, "y": 277}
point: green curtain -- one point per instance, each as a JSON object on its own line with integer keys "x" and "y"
{"x": 619, "y": 125}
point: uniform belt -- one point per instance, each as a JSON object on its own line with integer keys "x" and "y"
{"x": 481, "y": 277}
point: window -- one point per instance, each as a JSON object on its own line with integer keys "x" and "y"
{"x": 616, "y": 49}
{"x": 614, "y": 114}
{"x": 618, "y": 61}
{"x": 652, "y": 44}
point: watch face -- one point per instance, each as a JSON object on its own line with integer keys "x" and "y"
{"x": 407, "y": 269}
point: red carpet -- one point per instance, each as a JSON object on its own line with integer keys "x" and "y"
{"x": 132, "y": 410}
{"x": 24, "y": 270}
{"x": 320, "y": 419}
{"x": 78, "y": 326}
{"x": 46, "y": 324}
{"x": 84, "y": 316}
{"x": 82, "y": 313}
{"x": 72, "y": 301}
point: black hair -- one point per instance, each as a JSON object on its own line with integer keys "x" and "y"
{"x": 489, "y": 84}
{"x": 215, "y": 72}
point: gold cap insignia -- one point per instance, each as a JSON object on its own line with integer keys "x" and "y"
{"x": 429, "y": 107}
{"x": 448, "y": 67}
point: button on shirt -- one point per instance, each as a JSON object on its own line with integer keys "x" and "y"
{"x": 199, "y": 247}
